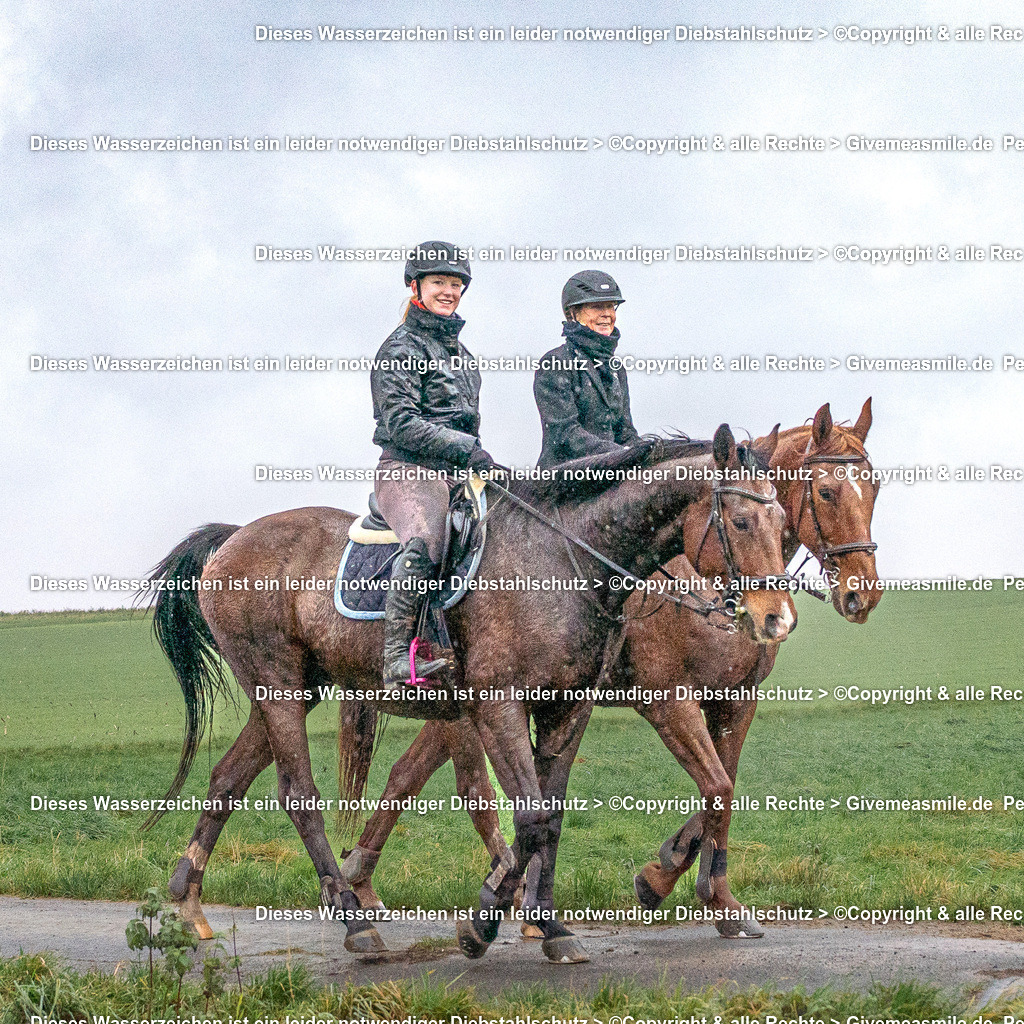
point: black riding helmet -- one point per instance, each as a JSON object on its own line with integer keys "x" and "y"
{"x": 589, "y": 286}
{"x": 438, "y": 258}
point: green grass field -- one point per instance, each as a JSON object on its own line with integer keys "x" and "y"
{"x": 89, "y": 706}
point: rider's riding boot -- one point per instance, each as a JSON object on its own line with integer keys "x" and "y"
{"x": 401, "y": 615}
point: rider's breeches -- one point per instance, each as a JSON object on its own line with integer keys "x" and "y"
{"x": 414, "y": 508}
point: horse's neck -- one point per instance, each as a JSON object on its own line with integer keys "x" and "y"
{"x": 639, "y": 525}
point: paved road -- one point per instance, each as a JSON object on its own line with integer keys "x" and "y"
{"x": 91, "y": 934}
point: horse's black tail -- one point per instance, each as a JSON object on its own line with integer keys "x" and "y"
{"x": 185, "y": 637}
{"x": 360, "y": 729}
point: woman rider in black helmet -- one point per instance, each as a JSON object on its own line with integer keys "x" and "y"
{"x": 583, "y": 402}
{"x": 427, "y": 415}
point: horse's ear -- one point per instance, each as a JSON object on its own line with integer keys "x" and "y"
{"x": 765, "y": 446}
{"x": 863, "y": 425}
{"x": 822, "y": 425}
{"x": 724, "y": 446}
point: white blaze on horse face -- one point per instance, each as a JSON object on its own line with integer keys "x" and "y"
{"x": 787, "y": 616}
{"x": 856, "y": 487}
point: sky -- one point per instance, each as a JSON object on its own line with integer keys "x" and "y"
{"x": 146, "y": 254}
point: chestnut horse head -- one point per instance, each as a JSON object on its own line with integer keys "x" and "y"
{"x": 830, "y": 510}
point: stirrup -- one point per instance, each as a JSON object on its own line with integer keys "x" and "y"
{"x": 426, "y": 669}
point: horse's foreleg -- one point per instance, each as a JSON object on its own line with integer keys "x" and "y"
{"x": 286, "y": 727}
{"x": 557, "y": 744}
{"x": 425, "y": 755}
{"x": 229, "y": 781}
{"x": 728, "y": 723}
{"x": 681, "y": 727}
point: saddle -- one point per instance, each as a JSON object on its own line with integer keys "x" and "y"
{"x": 372, "y": 548}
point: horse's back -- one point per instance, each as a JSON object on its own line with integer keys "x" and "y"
{"x": 296, "y": 536}
{"x": 276, "y": 560}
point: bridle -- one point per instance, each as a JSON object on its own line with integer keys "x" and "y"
{"x": 825, "y": 553}
{"x": 716, "y": 518}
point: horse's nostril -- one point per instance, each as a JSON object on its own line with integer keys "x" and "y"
{"x": 771, "y": 625}
{"x": 851, "y": 603}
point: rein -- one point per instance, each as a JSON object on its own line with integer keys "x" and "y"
{"x": 704, "y": 608}
{"x": 617, "y": 635}
{"x": 716, "y": 518}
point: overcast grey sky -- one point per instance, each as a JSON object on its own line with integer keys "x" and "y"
{"x": 152, "y": 254}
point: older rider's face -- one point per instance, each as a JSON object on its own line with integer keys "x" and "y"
{"x": 598, "y": 316}
{"x": 440, "y": 293}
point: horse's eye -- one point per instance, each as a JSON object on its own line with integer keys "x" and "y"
{"x": 741, "y": 524}
{"x": 827, "y": 494}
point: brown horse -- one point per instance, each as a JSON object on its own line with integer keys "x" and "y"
{"x": 825, "y": 512}
{"x": 284, "y": 644}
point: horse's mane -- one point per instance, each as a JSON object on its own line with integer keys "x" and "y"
{"x": 607, "y": 468}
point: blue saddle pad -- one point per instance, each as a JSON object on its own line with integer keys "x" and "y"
{"x": 360, "y": 588}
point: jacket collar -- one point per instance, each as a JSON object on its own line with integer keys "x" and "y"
{"x": 444, "y": 328}
{"x": 597, "y": 346}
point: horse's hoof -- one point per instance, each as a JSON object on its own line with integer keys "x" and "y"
{"x": 367, "y": 940}
{"x": 645, "y": 894}
{"x": 195, "y": 919}
{"x": 469, "y": 942}
{"x": 746, "y": 928}
{"x": 565, "y": 949}
{"x": 531, "y": 931}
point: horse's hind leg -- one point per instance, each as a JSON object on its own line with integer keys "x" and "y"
{"x": 229, "y": 781}
{"x": 425, "y": 755}
{"x": 558, "y": 741}
{"x": 434, "y": 744}
{"x": 410, "y": 773}
{"x": 474, "y": 784}
{"x": 285, "y": 722}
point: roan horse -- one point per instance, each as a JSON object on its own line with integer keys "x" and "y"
{"x": 826, "y": 512}
{"x": 283, "y": 644}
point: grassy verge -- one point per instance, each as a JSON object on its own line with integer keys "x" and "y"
{"x": 39, "y": 985}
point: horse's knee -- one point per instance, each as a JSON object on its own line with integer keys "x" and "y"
{"x": 475, "y": 787}
{"x": 533, "y": 830}
{"x": 719, "y": 794}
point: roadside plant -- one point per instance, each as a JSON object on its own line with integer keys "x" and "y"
{"x": 173, "y": 939}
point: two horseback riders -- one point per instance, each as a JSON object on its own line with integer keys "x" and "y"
{"x": 284, "y": 646}
{"x": 426, "y": 405}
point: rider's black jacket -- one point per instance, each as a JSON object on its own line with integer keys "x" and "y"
{"x": 584, "y": 408}
{"x": 426, "y": 408}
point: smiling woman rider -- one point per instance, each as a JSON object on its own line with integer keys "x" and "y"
{"x": 428, "y": 418}
{"x": 583, "y": 402}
